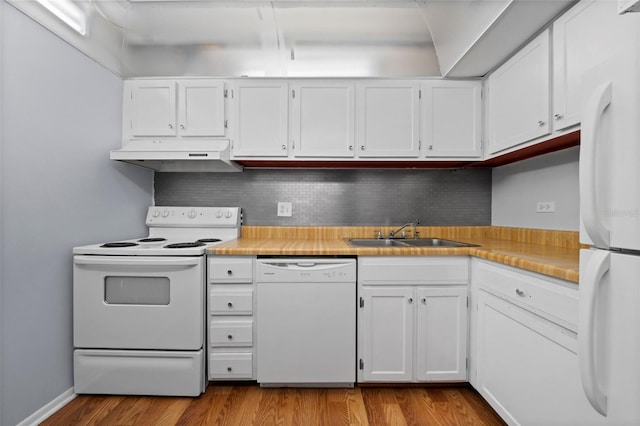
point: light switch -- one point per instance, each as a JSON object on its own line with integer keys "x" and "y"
{"x": 285, "y": 209}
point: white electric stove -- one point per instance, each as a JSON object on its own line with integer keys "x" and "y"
{"x": 139, "y": 304}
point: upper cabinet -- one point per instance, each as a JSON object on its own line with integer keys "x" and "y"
{"x": 518, "y": 97}
{"x": 173, "y": 108}
{"x": 585, "y": 36}
{"x": 451, "y": 119}
{"x": 259, "y": 118}
{"x": 322, "y": 119}
{"x": 388, "y": 114}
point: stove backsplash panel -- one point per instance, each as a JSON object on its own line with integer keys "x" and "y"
{"x": 338, "y": 197}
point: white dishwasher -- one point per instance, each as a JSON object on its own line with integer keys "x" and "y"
{"x": 306, "y": 322}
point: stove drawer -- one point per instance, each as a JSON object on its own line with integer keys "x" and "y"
{"x": 230, "y": 302}
{"x": 231, "y": 365}
{"x": 223, "y": 269}
{"x": 231, "y": 333}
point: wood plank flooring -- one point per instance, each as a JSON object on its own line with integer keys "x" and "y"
{"x": 244, "y": 405}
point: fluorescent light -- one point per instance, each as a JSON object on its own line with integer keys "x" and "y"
{"x": 68, "y": 12}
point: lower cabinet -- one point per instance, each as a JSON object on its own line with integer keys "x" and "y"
{"x": 525, "y": 361}
{"x": 412, "y": 328}
{"x": 231, "y": 352}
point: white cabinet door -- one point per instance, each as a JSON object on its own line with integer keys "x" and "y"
{"x": 585, "y": 36}
{"x": 518, "y": 97}
{"x": 441, "y": 337}
{"x": 451, "y": 118}
{"x": 201, "y": 107}
{"x": 322, "y": 119}
{"x": 388, "y": 119}
{"x": 527, "y": 367}
{"x": 149, "y": 108}
{"x": 260, "y": 118}
{"x": 182, "y": 108}
{"x": 387, "y": 326}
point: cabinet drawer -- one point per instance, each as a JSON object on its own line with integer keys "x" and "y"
{"x": 231, "y": 333}
{"x": 231, "y": 269}
{"x": 231, "y": 366}
{"x": 231, "y": 302}
{"x": 551, "y": 298}
{"x": 381, "y": 270}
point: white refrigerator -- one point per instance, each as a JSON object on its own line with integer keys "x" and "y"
{"x": 609, "y": 288}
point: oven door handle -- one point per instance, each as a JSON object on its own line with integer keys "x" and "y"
{"x": 136, "y": 261}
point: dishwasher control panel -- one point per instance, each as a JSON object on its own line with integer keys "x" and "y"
{"x": 305, "y": 270}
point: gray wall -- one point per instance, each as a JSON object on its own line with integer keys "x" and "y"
{"x": 338, "y": 197}
{"x": 518, "y": 187}
{"x": 61, "y": 114}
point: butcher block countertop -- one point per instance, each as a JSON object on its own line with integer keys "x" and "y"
{"x": 552, "y": 253}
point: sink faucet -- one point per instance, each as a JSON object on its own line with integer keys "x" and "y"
{"x": 415, "y": 223}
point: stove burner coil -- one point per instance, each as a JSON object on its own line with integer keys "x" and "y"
{"x": 184, "y": 245}
{"x": 208, "y": 240}
{"x": 119, "y": 244}
{"x": 152, "y": 240}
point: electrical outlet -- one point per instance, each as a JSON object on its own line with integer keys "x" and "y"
{"x": 546, "y": 207}
{"x": 285, "y": 209}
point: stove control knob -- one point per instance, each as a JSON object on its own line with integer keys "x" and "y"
{"x": 228, "y": 214}
{"x": 165, "y": 213}
{"x": 192, "y": 214}
{"x": 156, "y": 213}
{"x": 219, "y": 214}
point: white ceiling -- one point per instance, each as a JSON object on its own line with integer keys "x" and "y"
{"x": 393, "y": 38}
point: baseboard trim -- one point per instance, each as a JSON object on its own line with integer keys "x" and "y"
{"x": 43, "y": 413}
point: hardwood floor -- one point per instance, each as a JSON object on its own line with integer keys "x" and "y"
{"x": 252, "y": 405}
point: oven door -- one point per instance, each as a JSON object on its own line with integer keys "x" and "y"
{"x": 137, "y": 302}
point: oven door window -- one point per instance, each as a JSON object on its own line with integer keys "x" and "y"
{"x": 119, "y": 290}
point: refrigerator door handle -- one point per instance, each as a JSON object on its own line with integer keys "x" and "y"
{"x": 597, "y": 267}
{"x": 589, "y": 206}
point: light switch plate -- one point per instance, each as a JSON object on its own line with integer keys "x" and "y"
{"x": 285, "y": 209}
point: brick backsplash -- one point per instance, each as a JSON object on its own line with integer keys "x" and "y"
{"x": 323, "y": 197}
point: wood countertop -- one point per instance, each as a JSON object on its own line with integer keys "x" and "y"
{"x": 552, "y": 253}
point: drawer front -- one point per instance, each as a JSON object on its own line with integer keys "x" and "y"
{"x": 555, "y": 299}
{"x": 227, "y": 333}
{"x": 228, "y": 366}
{"x": 381, "y": 270}
{"x": 231, "y": 302}
{"x": 230, "y": 269}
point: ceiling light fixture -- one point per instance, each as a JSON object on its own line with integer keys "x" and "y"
{"x": 68, "y": 12}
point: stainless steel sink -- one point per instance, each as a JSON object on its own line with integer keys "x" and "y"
{"x": 401, "y": 242}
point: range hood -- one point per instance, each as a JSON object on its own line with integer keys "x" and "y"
{"x": 178, "y": 155}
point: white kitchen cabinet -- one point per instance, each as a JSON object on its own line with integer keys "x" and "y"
{"x": 586, "y": 35}
{"x": 231, "y": 307}
{"x": 412, "y": 327}
{"x": 441, "y": 334}
{"x": 451, "y": 119}
{"x": 259, "y": 118}
{"x": 173, "y": 108}
{"x": 322, "y": 118}
{"x": 388, "y": 119}
{"x": 387, "y": 332}
{"x": 518, "y": 97}
{"x": 525, "y": 359}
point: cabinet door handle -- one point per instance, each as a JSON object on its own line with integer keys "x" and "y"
{"x": 171, "y": 126}
{"x": 182, "y": 126}
{"x": 284, "y": 146}
{"x": 229, "y": 369}
{"x": 230, "y": 305}
{"x": 541, "y": 123}
{"x": 362, "y": 148}
{"x": 424, "y": 300}
{"x": 229, "y": 272}
{"x": 230, "y": 337}
{"x": 557, "y": 116}
{"x": 411, "y": 300}
{"x": 520, "y": 292}
{"x": 350, "y": 147}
